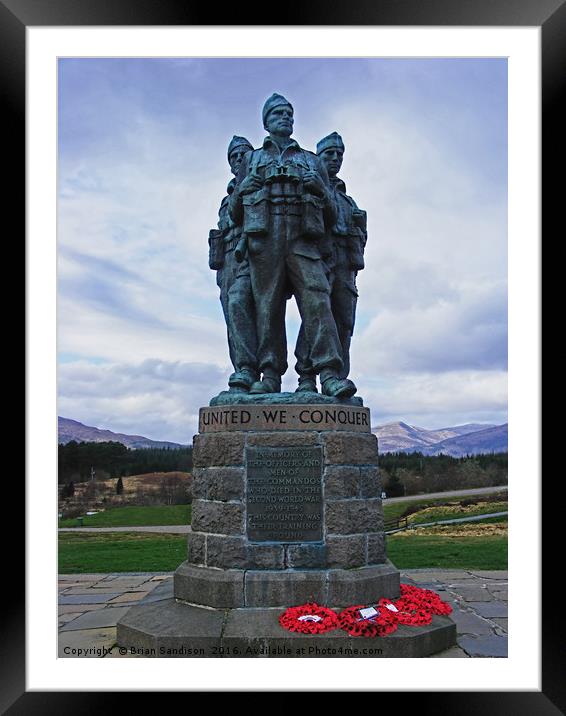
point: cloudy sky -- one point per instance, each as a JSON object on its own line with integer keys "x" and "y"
{"x": 142, "y": 169}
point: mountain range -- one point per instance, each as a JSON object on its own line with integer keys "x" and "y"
{"x": 457, "y": 441}
{"x": 73, "y": 430}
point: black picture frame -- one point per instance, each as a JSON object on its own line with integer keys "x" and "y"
{"x": 550, "y": 16}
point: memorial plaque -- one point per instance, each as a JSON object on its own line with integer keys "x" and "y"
{"x": 284, "y": 494}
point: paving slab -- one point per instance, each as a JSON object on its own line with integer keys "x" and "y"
{"x": 420, "y": 579}
{"x": 120, "y": 582}
{"x": 489, "y": 609}
{"x": 163, "y": 590}
{"x": 438, "y": 575}
{"x": 64, "y": 618}
{"x": 472, "y": 594}
{"x": 91, "y": 643}
{"x": 500, "y": 594}
{"x": 128, "y": 597}
{"x": 468, "y": 623}
{"x": 88, "y": 598}
{"x": 69, "y": 608}
{"x": 67, "y": 585}
{"x": 93, "y": 620}
{"x": 500, "y": 574}
{"x": 501, "y": 622}
{"x": 484, "y": 646}
{"x": 455, "y": 652}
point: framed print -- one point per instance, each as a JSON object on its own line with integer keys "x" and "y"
{"x": 56, "y": 49}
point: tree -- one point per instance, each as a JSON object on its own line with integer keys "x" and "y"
{"x": 119, "y": 486}
{"x": 68, "y": 490}
{"x": 394, "y": 487}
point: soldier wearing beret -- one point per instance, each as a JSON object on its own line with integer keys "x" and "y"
{"x": 342, "y": 251}
{"x": 283, "y": 199}
{"x": 234, "y": 277}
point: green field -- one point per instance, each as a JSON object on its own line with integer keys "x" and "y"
{"x": 82, "y": 552}
{"x": 134, "y": 516}
{"x": 421, "y": 551}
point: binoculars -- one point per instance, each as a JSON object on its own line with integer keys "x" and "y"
{"x": 281, "y": 173}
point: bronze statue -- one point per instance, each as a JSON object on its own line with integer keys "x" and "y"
{"x": 282, "y": 200}
{"x": 343, "y": 254}
{"x": 232, "y": 277}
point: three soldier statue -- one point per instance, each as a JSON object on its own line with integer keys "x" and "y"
{"x": 288, "y": 228}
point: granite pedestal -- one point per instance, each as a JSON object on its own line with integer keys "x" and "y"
{"x": 286, "y": 509}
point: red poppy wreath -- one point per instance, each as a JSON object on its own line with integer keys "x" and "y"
{"x": 367, "y": 621}
{"x": 424, "y": 599}
{"x": 309, "y": 618}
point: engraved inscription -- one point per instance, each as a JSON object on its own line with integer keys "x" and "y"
{"x": 285, "y": 417}
{"x": 284, "y": 494}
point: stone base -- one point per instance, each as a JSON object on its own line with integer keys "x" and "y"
{"x": 304, "y": 398}
{"x": 167, "y": 628}
{"x": 236, "y": 588}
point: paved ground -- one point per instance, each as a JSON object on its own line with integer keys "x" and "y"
{"x": 91, "y": 604}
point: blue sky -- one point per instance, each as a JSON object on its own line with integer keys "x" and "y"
{"x": 142, "y": 169}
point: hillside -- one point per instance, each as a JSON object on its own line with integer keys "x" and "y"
{"x": 457, "y": 441}
{"x": 73, "y": 430}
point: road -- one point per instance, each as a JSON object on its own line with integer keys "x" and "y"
{"x": 165, "y": 529}
{"x": 451, "y": 493}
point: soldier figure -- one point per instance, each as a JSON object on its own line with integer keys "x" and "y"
{"x": 283, "y": 199}
{"x": 343, "y": 253}
{"x": 232, "y": 278}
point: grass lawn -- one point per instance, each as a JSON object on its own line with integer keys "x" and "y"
{"x": 80, "y": 552}
{"x": 134, "y": 516}
{"x": 412, "y": 552}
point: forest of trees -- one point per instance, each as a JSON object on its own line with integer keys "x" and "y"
{"x": 414, "y": 473}
{"x": 112, "y": 459}
{"x": 401, "y": 473}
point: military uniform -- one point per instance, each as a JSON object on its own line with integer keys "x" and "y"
{"x": 284, "y": 224}
{"x": 342, "y": 250}
{"x": 233, "y": 279}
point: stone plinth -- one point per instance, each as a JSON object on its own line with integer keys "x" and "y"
{"x": 286, "y": 509}
{"x": 286, "y": 501}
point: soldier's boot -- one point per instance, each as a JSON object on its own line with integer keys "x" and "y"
{"x": 242, "y": 380}
{"x": 338, "y": 387}
{"x": 268, "y": 384}
{"x": 307, "y": 384}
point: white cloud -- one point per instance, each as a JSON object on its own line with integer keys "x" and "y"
{"x": 157, "y": 399}
{"x": 435, "y": 400}
{"x": 134, "y": 283}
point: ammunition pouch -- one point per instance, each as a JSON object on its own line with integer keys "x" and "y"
{"x": 313, "y": 218}
{"x": 359, "y": 218}
{"x": 256, "y": 213}
{"x": 356, "y": 253}
{"x": 358, "y": 244}
{"x": 215, "y": 249}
